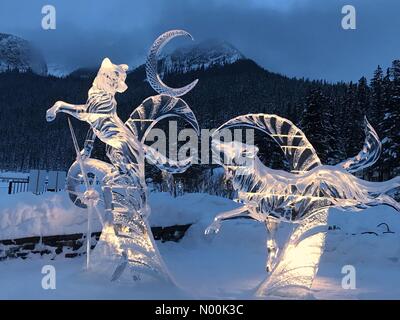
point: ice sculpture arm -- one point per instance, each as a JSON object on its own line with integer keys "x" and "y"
{"x": 216, "y": 225}
{"x": 76, "y": 111}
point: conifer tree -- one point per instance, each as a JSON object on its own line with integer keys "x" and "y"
{"x": 391, "y": 121}
{"x": 377, "y": 104}
{"x": 317, "y": 124}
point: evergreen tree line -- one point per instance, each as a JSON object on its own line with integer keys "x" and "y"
{"x": 335, "y": 124}
{"x": 331, "y": 115}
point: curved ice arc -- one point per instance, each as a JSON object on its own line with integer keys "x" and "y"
{"x": 95, "y": 169}
{"x": 146, "y": 116}
{"x": 294, "y": 144}
{"x": 152, "y": 62}
{"x": 156, "y": 108}
{"x": 302, "y": 196}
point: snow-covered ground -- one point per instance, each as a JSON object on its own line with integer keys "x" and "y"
{"x": 26, "y": 214}
{"x": 226, "y": 266}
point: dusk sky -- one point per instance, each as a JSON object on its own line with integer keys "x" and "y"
{"x": 302, "y": 38}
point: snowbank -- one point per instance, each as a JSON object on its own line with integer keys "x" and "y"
{"x": 189, "y": 208}
{"x": 26, "y": 214}
{"x": 227, "y": 266}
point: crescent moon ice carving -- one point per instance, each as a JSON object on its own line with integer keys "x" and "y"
{"x": 151, "y": 65}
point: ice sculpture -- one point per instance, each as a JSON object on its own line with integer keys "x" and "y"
{"x": 151, "y": 65}
{"x": 126, "y": 249}
{"x": 302, "y": 196}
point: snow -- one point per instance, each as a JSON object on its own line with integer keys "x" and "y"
{"x": 13, "y": 174}
{"x": 228, "y": 265}
{"x": 199, "y": 55}
{"x": 205, "y": 54}
{"x": 190, "y": 208}
{"x": 18, "y": 53}
{"x": 26, "y": 214}
{"x": 58, "y": 70}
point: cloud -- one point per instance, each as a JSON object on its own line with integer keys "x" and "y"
{"x": 296, "y": 38}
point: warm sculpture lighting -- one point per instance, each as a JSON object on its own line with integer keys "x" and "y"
{"x": 302, "y": 196}
{"x": 126, "y": 249}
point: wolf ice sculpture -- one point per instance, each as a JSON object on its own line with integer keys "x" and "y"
{"x": 301, "y": 196}
{"x": 126, "y": 249}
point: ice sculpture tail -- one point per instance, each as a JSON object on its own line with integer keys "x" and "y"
{"x": 369, "y": 154}
{"x": 294, "y": 274}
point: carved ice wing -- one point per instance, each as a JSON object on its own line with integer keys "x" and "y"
{"x": 156, "y": 108}
{"x": 297, "y": 149}
{"x": 145, "y": 117}
{"x": 368, "y": 155}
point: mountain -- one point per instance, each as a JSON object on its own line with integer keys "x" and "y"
{"x": 58, "y": 71}
{"x": 84, "y": 73}
{"x": 229, "y": 85}
{"x": 224, "y": 91}
{"x": 19, "y": 54}
{"x": 199, "y": 56}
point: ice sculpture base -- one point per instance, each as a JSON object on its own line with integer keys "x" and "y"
{"x": 293, "y": 276}
{"x": 111, "y": 260}
{"x": 288, "y": 293}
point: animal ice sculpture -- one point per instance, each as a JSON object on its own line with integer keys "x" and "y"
{"x": 302, "y": 196}
{"x": 126, "y": 249}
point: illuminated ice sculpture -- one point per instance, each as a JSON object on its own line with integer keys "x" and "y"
{"x": 126, "y": 249}
{"x": 302, "y": 196}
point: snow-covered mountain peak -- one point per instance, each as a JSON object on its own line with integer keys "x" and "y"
{"x": 17, "y": 53}
{"x": 199, "y": 56}
{"x": 59, "y": 70}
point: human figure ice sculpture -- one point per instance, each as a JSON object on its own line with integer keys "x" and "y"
{"x": 302, "y": 196}
{"x": 126, "y": 249}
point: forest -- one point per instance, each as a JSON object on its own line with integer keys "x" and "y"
{"x": 331, "y": 114}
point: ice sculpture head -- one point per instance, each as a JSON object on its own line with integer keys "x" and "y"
{"x": 111, "y": 77}
{"x": 233, "y": 153}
